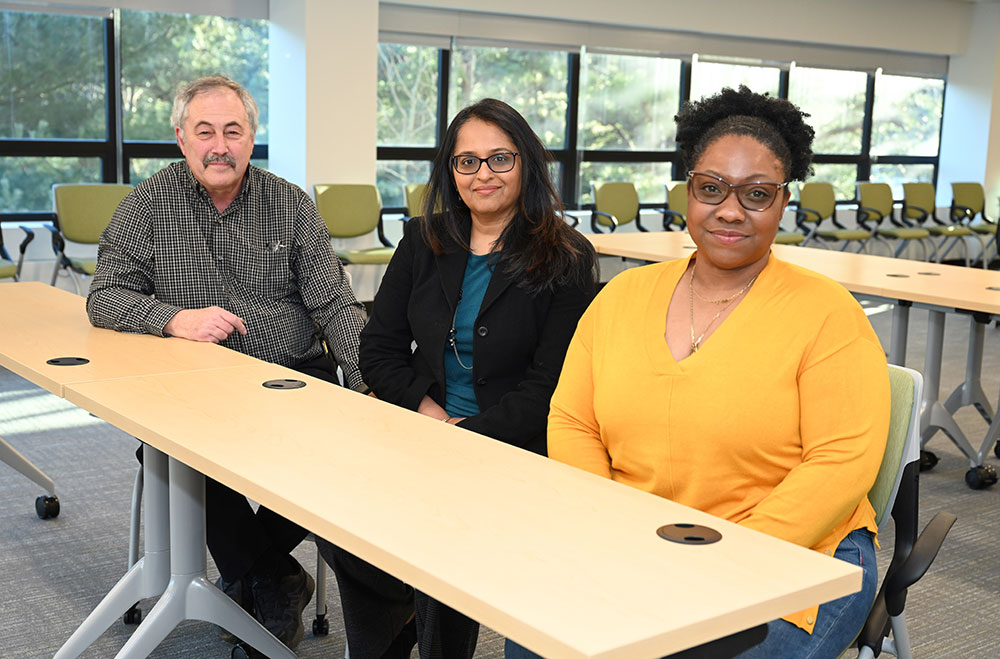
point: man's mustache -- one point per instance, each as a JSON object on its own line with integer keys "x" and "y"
{"x": 226, "y": 159}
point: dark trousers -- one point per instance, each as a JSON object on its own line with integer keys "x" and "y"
{"x": 239, "y": 537}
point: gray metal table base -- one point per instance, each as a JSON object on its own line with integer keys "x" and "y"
{"x": 148, "y": 577}
{"x": 933, "y": 415}
{"x": 189, "y": 594}
{"x": 11, "y": 456}
{"x": 970, "y": 392}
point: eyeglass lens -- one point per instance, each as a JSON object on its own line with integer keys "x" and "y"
{"x": 498, "y": 163}
{"x": 753, "y": 196}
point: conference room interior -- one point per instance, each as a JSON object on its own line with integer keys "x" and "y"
{"x": 572, "y": 68}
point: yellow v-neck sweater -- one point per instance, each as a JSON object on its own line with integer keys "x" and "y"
{"x": 777, "y": 423}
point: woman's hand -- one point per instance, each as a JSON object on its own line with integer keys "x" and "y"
{"x": 429, "y": 408}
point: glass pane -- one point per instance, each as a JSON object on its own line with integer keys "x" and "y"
{"x": 649, "y": 178}
{"x": 162, "y": 51}
{"x": 843, "y": 177}
{"x": 52, "y": 79}
{"x": 407, "y": 95}
{"x": 628, "y": 103}
{"x": 391, "y": 176}
{"x": 897, "y": 175}
{"x": 907, "y": 117}
{"x": 835, "y": 101}
{"x": 708, "y": 78}
{"x": 26, "y": 183}
{"x": 533, "y": 82}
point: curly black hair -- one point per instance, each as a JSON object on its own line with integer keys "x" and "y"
{"x": 776, "y": 123}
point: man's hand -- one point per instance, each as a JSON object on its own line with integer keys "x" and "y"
{"x": 212, "y": 324}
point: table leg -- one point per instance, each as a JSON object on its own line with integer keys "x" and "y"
{"x": 900, "y": 328}
{"x": 190, "y": 595}
{"x": 148, "y": 577}
{"x": 11, "y": 456}
{"x": 971, "y": 392}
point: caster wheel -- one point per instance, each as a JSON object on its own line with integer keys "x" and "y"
{"x": 321, "y": 626}
{"x": 996, "y": 449}
{"x": 47, "y": 507}
{"x": 927, "y": 460}
{"x": 244, "y": 651}
{"x": 979, "y": 477}
{"x": 133, "y": 616}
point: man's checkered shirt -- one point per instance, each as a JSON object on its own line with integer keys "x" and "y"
{"x": 266, "y": 258}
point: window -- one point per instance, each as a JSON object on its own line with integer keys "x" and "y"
{"x": 392, "y": 176}
{"x": 835, "y": 102}
{"x": 649, "y": 178}
{"x": 844, "y": 178}
{"x": 906, "y": 120}
{"x": 407, "y": 95}
{"x": 26, "y": 182}
{"x": 628, "y": 103}
{"x": 531, "y": 81}
{"x": 709, "y": 78}
{"x": 898, "y": 174}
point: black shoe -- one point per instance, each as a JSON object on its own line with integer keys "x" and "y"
{"x": 279, "y": 602}
{"x": 239, "y": 591}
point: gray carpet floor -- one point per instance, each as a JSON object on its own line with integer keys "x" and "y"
{"x": 55, "y": 571}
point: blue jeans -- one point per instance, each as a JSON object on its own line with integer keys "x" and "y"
{"x": 837, "y": 622}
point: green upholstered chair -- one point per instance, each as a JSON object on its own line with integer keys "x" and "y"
{"x": 875, "y": 204}
{"x": 817, "y": 204}
{"x": 8, "y": 268}
{"x": 350, "y": 211}
{"x": 967, "y": 201}
{"x": 895, "y": 494}
{"x": 414, "y": 196}
{"x": 82, "y": 212}
{"x": 615, "y": 204}
{"x": 675, "y": 212}
{"x": 920, "y": 208}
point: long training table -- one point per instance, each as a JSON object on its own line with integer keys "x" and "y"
{"x": 938, "y": 288}
{"x": 564, "y": 562}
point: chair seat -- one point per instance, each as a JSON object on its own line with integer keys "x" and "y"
{"x": 7, "y": 268}
{"x": 953, "y": 230}
{"x": 904, "y": 233}
{"x": 845, "y": 234}
{"x": 86, "y": 266}
{"x": 373, "y": 256}
{"x": 788, "y": 238}
{"x": 984, "y": 227}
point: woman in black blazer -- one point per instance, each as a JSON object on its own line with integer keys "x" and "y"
{"x": 470, "y": 326}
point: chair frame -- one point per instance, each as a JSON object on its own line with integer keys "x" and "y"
{"x": 29, "y": 235}
{"x": 965, "y": 215}
{"x": 947, "y": 243}
{"x": 594, "y": 214}
{"x": 867, "y": 214}
{"x": 802, "y": 215}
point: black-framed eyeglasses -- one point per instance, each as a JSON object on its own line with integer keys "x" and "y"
{"x": 499, "y": 162}
{"x": 753, "y": 196}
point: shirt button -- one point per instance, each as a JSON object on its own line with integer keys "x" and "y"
{"x": 810, "y": 620}
{"x": 481, "y": 381}
{"x": 482, "y": 331}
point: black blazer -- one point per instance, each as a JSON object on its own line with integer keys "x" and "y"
{"x": 518, "y": 348}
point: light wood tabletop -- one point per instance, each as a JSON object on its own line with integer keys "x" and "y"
{"x": 950, "y": 286}
{"x": 41, "y": 322}
{"x": 562, "y": 561}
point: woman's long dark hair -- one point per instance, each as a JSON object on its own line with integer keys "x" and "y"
{"x": 537, "y": 249}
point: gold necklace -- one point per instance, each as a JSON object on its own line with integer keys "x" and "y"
{"x": 696, "y": 343}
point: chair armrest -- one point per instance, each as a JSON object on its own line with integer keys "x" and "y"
{"x": 638, "y": 221}
{"x": 58, "y": 243}
{"x": 572, "y": 220}
{"x": 380, "y": 229}
{"x": 866, "y": 213}
{"x": 670, "y": 218}
{"x": 961, "y": 213}
{"x": 802, "y": 214}
{"x": 596, "y": 227}
{"x": 924, "y": 551}
{"x": 29, "y": 235}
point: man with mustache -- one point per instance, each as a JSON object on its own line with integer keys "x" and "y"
{"x": 214, "y": 249}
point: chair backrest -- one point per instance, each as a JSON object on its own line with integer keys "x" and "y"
{"x": 968, "y": 195}
{"x": 677, "y": 197}
{"x": 919, "y": 200}
{"x": 618, "y": 199}
{"x": 903, "y": 443}
{"x": 877, "y": 197}
{"x": 349, "y": 210}
{"x": 84, "y": 209}
{"x": 415, "y": 194}
{"x": 817, "y": 196}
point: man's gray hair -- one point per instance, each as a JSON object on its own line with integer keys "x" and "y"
{"x": 192, "y": 89}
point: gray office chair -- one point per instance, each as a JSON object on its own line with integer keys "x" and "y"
{"x": 8, "y": 268}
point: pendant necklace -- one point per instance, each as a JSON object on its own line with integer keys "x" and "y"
{"x": 725, "y": 302}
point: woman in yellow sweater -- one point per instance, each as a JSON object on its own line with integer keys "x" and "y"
{"x": 731, "y": 381}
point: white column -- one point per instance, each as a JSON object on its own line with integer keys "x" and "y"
{"x": 322, "y": 98}
{"x": 970, "y": 136}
